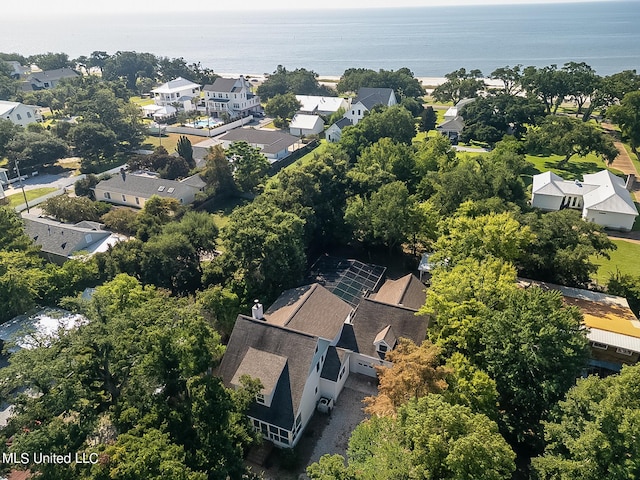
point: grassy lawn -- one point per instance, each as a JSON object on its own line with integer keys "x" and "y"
{"x": 626, "y": 259}
{"x": 575, "y": 169}
{"x": 18, "y": 199}
{"x": 221, "y": 209}
{"x": 141, "y": 102}
{"x": 169, "y": 141}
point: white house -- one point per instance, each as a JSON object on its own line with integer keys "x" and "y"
{"x": 318, "y": 105}
{"x": 334, "y": 132}
{"x": 177, "y": 92}
{"x": 367, "y": 99}
{"x": 304, "y": 347}
{"x": 19, "y": 113}
{"x": 302, "y": 124}
{"x": 602, "y": 198}
{"x": 134, "y": 190}
{"x": 231, "y": 97}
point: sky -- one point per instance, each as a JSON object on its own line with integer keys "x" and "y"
{"x": 58, "y": 7}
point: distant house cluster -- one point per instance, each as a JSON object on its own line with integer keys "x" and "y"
{"x": 305, "y": 345}
{"x": 602, "y": 197}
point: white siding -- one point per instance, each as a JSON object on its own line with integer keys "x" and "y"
{"x": 546, "y": 202}
{"x": 616, "y": 221}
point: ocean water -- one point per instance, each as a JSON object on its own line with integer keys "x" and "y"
{"x": 431, "y": 41}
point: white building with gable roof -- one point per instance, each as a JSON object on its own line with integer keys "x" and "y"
{"x": 602, "y": 197}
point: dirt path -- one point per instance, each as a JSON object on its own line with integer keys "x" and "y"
{"x": 623, "y": 162}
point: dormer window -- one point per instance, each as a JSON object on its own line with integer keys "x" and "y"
{"x": 382, "y": 348}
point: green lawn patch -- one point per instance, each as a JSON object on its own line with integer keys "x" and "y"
{"x": 18, "y": 199}
{"x": 626, "y": 259}
{"x": 169, "y": 141}
{"x": 141, "y": 102}
{"x": 311, "y": 156}
{"x": 575, "y": 169}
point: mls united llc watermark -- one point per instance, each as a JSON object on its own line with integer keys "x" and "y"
{"x": 39, "y": 458}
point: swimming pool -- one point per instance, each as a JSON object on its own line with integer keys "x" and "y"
{"x": 211, "y": 122}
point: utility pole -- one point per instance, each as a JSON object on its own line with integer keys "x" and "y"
{"x": 22, "y": 186}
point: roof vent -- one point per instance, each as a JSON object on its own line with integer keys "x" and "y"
{"x": 257, "y": 312}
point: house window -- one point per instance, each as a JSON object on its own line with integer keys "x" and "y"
{"x": 28, "y": 114}
{"x": 318, "y": 367}
{"x": 46, "y": 84}
{"x": 273, "y": 429}
{"x": 624, "y": 351}
{"x": 359, "y": 113}
{"x": 107, "y": 195}
{"x": 599, "y": 346}
{"x": 137, "y": 201}
{"x": 382, "y": 348}
{"x": 260, "y": 398}
{"x": 18, "y": 116}
{"x": 124, "y": 198}
{"x": 316, "y": 390}
{"x": 88, "y": 239}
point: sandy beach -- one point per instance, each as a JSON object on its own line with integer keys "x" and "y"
{"x": 429, "y": 83}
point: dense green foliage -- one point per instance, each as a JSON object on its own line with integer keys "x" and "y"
{"x": 430, "y": 439}
{"x": 299, "y": 82}
{"x": 134, "y": 373}
{"x": 402, "y": 81}
{"x": 592, "y": 433}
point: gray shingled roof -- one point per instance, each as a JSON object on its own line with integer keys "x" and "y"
{"x": 221, "y": 85}
{"x": 145, "y": 186}
{"x": 311, "y": 309}
{"x": 343, "y": 122}
{"x": 272, "y": 142}
{"x": 61, "y": 238}
{"x": 407, "y": 291}
{"x": 370, "y": 97}
{"x": 299, "y": 348}
{"x": 52, "y": 75}
{"x": 373, "y": 317}
{"x": 333, "y": 363}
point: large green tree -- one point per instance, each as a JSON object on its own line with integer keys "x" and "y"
{"x": 133, "y": 383}
{"x": 402, "y": 81}
{"x": 249, "y": 165}
{"x": 563, "y": 248}
{"x": 548, "y": 83}
{"x": 283, "y": 107}
{"x": 394, "y": 122}
{"x": 299, "y": 82}
{"x": 592, "y": 433}
{"x": 460, "y": 84}
{"x": 430, "y": 439}
{"x": 265, "y": 248}
{"x": 523, "y": 345}
{"x": 567, "y": 136}
{"x": 627, "y": 115}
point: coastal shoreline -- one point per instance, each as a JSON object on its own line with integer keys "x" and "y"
{"x": 427, "y": 82}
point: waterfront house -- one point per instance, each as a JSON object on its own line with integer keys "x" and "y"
{"x": 367, "y": 99}
{"x": 334, "y": 132}
{"x": 318, "y": 105}
{"x": 231, "y": 98}
{"x": 47, "y": 79}
{"x": 178, "y": 93}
